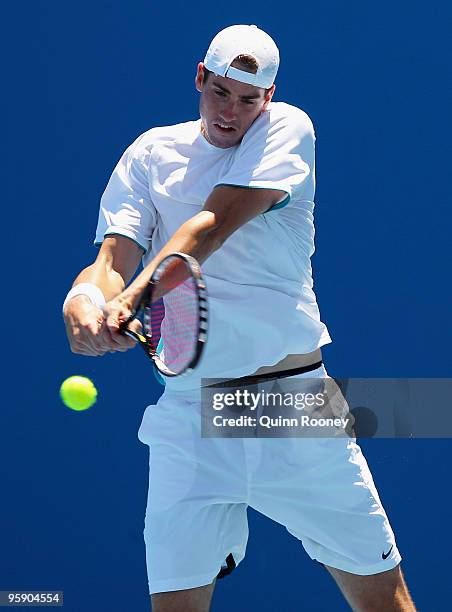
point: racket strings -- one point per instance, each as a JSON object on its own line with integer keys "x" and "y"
{"x": 174, "y": 315}
{"x": 152, "y": 321}
{"x": 180, "y": 325}
{"x": 171, "y": 325}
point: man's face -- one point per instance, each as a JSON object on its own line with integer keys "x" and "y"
{"x": 228, "y": 107}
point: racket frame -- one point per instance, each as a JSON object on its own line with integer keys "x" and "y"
{"x": 146, "y": 297}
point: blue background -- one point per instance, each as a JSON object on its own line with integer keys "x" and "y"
{"x": 83, "y": 80}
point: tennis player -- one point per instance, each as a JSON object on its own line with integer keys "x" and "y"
{"x": 235, "y": 190}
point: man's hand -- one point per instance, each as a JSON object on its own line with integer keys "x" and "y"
{"x": 86, "y": 324}
{"x": 93, "y": 332}
{"x": 117, "y": 311}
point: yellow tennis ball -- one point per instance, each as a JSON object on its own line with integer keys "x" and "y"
{"x": 78, "y": 392}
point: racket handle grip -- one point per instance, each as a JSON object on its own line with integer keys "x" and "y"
{"x": 124, "y": 324}
{"x": 134, "y": 335}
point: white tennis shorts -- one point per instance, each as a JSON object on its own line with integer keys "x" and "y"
{"x": 320, "y": 489}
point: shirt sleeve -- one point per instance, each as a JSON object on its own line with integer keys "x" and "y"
{"x": 126, "y": 207}
{"x": 277, "y": 153}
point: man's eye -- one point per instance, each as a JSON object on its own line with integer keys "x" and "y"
{"x": 248, "y": 101}
{"x": 219, "y": 93}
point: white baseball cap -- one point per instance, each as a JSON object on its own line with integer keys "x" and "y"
{"x": 244, "y": 40}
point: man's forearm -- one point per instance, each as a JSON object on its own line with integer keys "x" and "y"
{"x": 108, "y": 280}
{"x": 115, "y": 265}
{"x": 85, "y": 312}
{"x": 197, "y": 237}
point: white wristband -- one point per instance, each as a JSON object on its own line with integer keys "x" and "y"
{"x": 88, "y": 289}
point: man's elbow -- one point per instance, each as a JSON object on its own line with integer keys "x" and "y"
{"x": 212, "y": 238}
{"x": 211, "y": 229}
{"x": 216, "y": 239}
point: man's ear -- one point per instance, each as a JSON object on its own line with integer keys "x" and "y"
{"x": 199, "y": 77}
{"x": 268, "y": 97}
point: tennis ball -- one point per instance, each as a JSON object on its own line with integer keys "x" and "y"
{"x": 78, "y": 393}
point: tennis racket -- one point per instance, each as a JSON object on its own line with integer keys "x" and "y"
{"x": 173, "y": 312}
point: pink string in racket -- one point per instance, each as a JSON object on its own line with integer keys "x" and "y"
{"x": 175, "y": 319}
{"x": 179, "y": 327}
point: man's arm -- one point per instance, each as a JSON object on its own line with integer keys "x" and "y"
{"x": 115, "y": 265}
{"x": 226, "y": 209}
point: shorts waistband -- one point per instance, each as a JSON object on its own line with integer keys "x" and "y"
{"x": 255, "y": 379}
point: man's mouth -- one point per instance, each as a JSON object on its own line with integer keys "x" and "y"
{"x": 225, "y": 129}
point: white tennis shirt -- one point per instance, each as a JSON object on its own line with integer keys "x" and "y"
{"x": 261, "y": 301}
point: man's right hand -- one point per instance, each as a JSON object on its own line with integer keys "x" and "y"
{"x": 87, "y": 330}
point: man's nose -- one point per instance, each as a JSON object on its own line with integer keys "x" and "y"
{"x": 228, "y": 111}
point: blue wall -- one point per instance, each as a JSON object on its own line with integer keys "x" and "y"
{"x": 82, "y": 80}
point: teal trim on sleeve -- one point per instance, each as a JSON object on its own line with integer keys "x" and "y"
{"x": 99, "y": 244}
{"x": 282, "y": 204}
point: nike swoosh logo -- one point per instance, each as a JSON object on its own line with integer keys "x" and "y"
{"x": 385, "y": 556}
